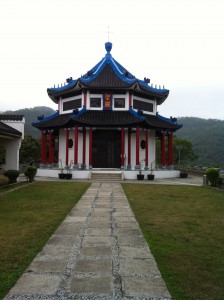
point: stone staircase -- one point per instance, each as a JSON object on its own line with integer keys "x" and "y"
{"x": 106, "y": 177}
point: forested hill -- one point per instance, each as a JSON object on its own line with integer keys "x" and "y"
{"x": 31, "y": 115}
{"x": 207, "y": 137}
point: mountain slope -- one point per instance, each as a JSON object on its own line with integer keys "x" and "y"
{"x": 207, "y": 137}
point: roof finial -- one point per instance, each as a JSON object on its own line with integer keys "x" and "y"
{"x": 108, "y": 33}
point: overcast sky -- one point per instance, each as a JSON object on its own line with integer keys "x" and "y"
{"x": 175, "y": 43}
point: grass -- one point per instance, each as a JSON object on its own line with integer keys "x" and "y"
{"x": 184, "y": 227}
{"x": 28, "y": 217}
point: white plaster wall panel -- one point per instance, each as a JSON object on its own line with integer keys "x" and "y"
{"x": 152, "y": 147}
{"x": 80, "y": 148}
{"x": 61, "y": 155}
{"x": 12, "y": 154}
{"x": 133, "y": 149}
{"x": 87, "y": 148}
{"x": 18, "y": 125}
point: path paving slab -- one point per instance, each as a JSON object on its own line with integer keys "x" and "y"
{"x": 131, "y": 252}
{"x": 55, "y": 265}
{"x": 35, "y": 284}
{"x": 139, "y": 267}
{"x": 97, "y": 240}
{"x": 98, "y": 231}
{"x": 95, "y": 251}
{"x": 102, "y": 285}
{"x": 93, "y": 266}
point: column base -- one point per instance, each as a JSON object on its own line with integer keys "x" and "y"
{"x": 75, "y": 167}
{"x": 122, "y": 168}
{"x": 137, "y": 167}
{"x": 146, "y": 168}
{"x": 128, "y": 167}
{"x": 171, "y": 167}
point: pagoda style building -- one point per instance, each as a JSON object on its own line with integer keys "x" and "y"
{"x": 107, "y": 120}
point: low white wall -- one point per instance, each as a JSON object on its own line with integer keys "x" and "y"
{"x": 128, "y": 175}
{"x": 53, "y": 173}
{"x": 132, "y": 175}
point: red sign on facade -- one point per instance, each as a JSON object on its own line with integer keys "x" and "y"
{"x": 107, "y": 101}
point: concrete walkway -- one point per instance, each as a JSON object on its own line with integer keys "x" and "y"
{"x": 98, "y": 252}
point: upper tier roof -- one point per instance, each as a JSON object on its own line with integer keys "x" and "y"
{"x": 108, "y": 75}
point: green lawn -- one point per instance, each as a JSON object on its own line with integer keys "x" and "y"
{"x": 28, "y": 217}
{"x": 184, "y": 227}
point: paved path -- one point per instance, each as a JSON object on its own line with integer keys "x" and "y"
{"x": 98, "y": 252}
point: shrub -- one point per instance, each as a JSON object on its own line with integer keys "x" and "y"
{"x": 12, "y": 175}
{"x": 212, "y": 176}
{"x": 30, "y": 173}
{"x": 3, "y": 180}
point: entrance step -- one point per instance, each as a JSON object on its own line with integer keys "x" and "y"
{"x": 110, "y": 177}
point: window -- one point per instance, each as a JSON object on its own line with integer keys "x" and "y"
{"x": 70, "y": 143}
{"x": 119, "y": 102}
{"x": 95, "y": 102}
{"x": 73, "y": 104}
{"x": 142, "y": 105}
{"x": 142, "y": 144}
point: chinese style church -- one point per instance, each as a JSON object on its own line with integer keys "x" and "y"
{"x": 107, "y": 121}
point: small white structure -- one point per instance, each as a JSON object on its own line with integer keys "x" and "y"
{"x": 11, "y": 136}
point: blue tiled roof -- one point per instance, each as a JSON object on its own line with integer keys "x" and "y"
{"x": 126, "y": 78}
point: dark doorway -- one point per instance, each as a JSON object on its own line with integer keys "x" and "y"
{"x": 106, "y": 149}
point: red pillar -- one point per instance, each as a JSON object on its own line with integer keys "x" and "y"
{"x": 170, "y": 149}
{"x": 129, "y": 148}
{"x": 51, "y": 150}
{"x": 66, "y": 145}
{"x": 163, "y": 158}
{"x": 122, "y": 148}
{"x": 146, "y": 149}
{"x": 84, "y": 148}
{"x": 137, "y": 146}
{"x": 43, "y": 147}
{"x": 76, "y": 146}
{"x": 90, "y": 148}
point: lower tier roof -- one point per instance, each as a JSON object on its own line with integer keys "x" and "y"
{"x": 91, "y": 118}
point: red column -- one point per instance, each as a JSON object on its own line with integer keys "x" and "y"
{"x": 137, "y": 146}
{"x": 43, "y": 147}
{"x": 163, "y": 158}
{"x": 66, "y": 146}
{"x": 51, "y": 150}
{"x": 84, "y": 147}
{"x": 122, "y": 148}
{"x": 129, "y": 148}
{"x": 90, "y": 148}
{"x": 146, "y": 149}
{"x": 76, "y": 146}
{"x": 170, "y": 149}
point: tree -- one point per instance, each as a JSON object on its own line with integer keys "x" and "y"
{"x": 30, "y": 150}
{"x": 183, "y": 153}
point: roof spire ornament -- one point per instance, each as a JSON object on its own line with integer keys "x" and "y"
{"x": 108, "y": 45}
